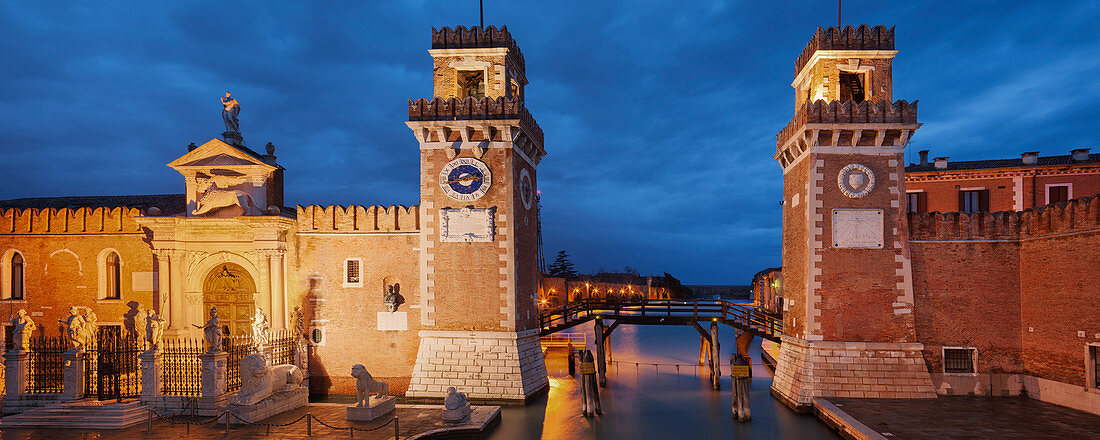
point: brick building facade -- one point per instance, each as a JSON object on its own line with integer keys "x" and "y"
{"x": 462, "y": 265}
{"x": 881, "y": 300}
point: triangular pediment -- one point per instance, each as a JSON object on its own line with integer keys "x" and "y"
{"x": 217, "y": 153}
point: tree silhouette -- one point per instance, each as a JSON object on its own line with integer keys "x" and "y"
{"x": 562, "y": 267}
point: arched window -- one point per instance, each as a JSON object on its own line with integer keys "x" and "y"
{"x": 114, "y": 274}
{"x": 16, "y": 276}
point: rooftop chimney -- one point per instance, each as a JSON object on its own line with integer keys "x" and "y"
{"x": 941, "y": 163}
{"x": 1030, "y": 157}
{"x": 923, "y": 157}
{"x": 1080, "y": 154}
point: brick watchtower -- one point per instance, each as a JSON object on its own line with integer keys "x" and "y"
{"x": 479, "y": 150}
{"x": 848, "y": 311}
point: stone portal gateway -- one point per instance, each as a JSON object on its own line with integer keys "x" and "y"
{"x": 231, "y": 289}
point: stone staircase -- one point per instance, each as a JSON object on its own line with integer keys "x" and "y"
{"x": 86, "y": 414}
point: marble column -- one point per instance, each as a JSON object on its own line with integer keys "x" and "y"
{"x": 177, "y": 320}
{"x": 163, "y": 280}
{"x": 278, "y": 293}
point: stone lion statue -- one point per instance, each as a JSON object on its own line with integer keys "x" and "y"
{"x": 258, "y": 381}
{"x": 365, "y": 385}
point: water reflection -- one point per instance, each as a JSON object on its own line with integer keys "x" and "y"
{"x": 647, "y": 401}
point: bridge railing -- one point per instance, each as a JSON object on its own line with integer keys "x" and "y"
{"x": 743, "y": 315}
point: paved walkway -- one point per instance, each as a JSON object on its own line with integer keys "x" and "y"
{"x": 414, "y": 420}
{"x": 959, "y": 417}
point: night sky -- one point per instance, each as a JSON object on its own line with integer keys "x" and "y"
{"x": 660, "y": 116}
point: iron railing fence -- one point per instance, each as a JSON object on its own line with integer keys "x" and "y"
{"x": 46, "y": 368}
{"x": 181, "y": 368}
{"x": 112, "y": 369}
{"x": 237, "y": 347}
{"x": 282, "y": 347}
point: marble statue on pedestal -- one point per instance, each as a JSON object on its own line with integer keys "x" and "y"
{"x": 456, "y": 407}
{"x": 74, "y": 325}
{"x": 369, "y": 407}
{"x": 260, "y": 329}
{"x": 22, "y": 326}
{"x": 230, "y": 110}
{"x": 212, "y": 332}
{"x": 90, "y": 328}
{"x": 154, "y": 330}
{"x": 365, "y": 385}
{"x": 258, "y": 381}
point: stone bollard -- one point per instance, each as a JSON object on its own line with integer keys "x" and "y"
{"x": 73, "y": 381}
{"x": 151, "y": 371}
{"x": 15, "y": 372}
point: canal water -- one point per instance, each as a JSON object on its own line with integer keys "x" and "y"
{"x": 647, "y": 401}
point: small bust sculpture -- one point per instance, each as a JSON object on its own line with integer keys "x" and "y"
{"x": 22, "y": 326}
{"x": 154, "y": 330}
{"x": 212, "y": 332}
{"x": 455, "y": 399}
{"x": 390, "y": 299}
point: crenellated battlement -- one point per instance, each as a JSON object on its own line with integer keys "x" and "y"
{"x": 1076, "y": 215}
{"x": 863, "y": 37}
{"x": 70, "y": 221}
{"x": 359, "y": 219}
{"x": 847, "y": 112}
{"x": 461, "y": 37}
{"x": 456, "y": 109}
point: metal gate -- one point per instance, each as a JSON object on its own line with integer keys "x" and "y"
{"x": 111, "y": 366}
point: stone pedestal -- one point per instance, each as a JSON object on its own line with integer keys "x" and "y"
{"x": 15, "y": 372}
{"x": 497, "y": 366}
{"x": 456, "y": 415}
{"x": 213, "y": 374}
{"x": 233, "y": 138}
{"x": 73, "y": 361}
{"x": 276, "y": 404}
{"x": 888, "y": 370}
{"x": 378, "y": 406}
{"x": 269, "y": 354}
{"x": 150, "y": 374}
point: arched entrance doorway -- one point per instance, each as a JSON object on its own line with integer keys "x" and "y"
{"x": 231, "y": 289}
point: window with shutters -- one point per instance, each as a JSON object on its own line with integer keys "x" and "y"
{"x": 1058, "y": 193}
{"x": 960, "y": 360}
{"x": 974, "y": 200}
{"x": 917, "y": 202}
{"x": 114, "y": 275}
{"x": 13, "y": 276}
{"x": 1093, "y": 366}
{"x": 353, "y": 272}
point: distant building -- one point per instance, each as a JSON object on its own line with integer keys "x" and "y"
{"x": 1000, "y": 184}
{"x": 556, "y": 291}
{"x": 767, "y": 290}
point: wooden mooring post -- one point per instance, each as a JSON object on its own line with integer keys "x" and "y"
{"x": 715, "y": 360}
{"x": 590, "y": 390}
{"x": 741, "y": 377}
{"x": 601, "y": 360}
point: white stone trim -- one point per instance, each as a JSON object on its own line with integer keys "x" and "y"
{"x": 344, "y": 270}
{"x": 1047, "y": 187}
{"x": 101, "y": 270}
{"x": 1017, "y": 194}
{"x": 814, "y": 234}
{"x": 5, "y": 274}
{"x": 46, "y": 266}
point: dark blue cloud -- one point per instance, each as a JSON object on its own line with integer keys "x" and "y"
{"x": 660, "y": 116}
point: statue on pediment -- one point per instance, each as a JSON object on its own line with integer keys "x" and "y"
{"x": 231, "y": 108}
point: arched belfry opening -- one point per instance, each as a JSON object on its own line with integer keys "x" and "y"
{"x": 232, "y": 290}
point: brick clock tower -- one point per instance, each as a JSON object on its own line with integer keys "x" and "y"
{"x": 479, "y": 151}
{"x": 847, "y": 282}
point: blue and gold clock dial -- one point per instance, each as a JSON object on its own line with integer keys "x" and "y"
{"x": 465, "y": 179}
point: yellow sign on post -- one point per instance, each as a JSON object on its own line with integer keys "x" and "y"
{"x": 588, "y": 368}
{"x": 741, "y": 371}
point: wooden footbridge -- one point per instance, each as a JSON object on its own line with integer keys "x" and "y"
{"x": 746, "y": 320}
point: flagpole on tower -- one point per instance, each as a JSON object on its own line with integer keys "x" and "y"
{"x": 481, "y": 11}
{"x": 838, "y": 13}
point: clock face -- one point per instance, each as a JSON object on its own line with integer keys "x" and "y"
{"x": 526, "y": 189}
{"x": 465, "y": 179}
